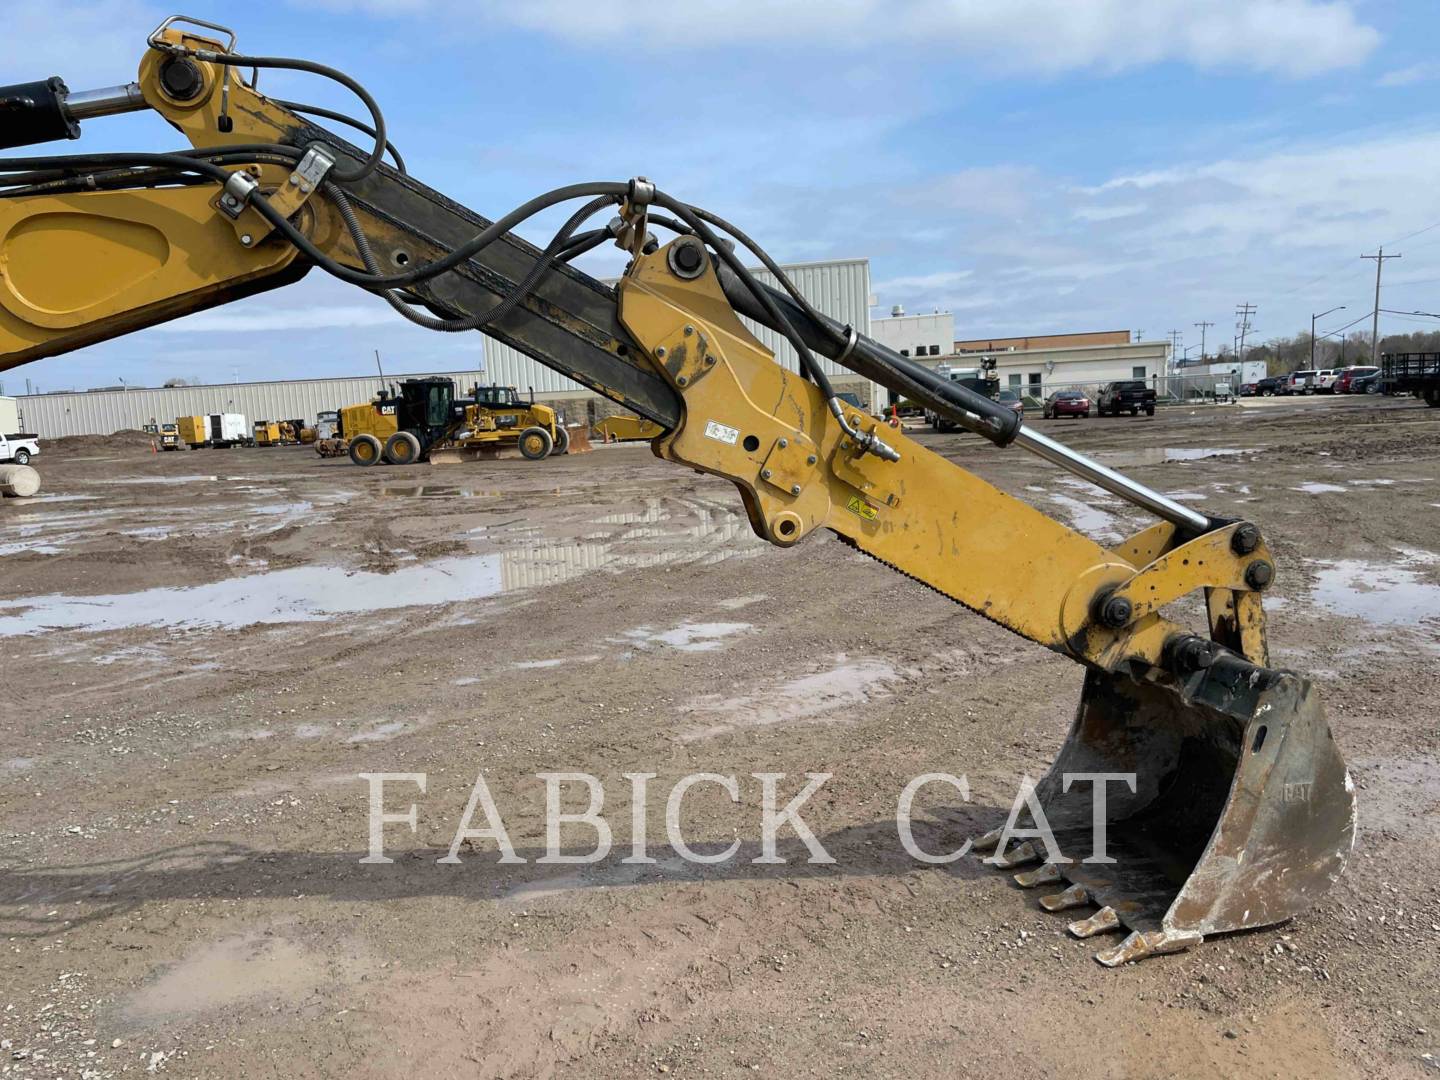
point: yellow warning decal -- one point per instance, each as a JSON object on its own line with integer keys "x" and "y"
{"x": 859, "y": 506}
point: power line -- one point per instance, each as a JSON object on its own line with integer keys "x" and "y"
{"x": 1352, "y": 322}
{"x": 1417, "y": 232}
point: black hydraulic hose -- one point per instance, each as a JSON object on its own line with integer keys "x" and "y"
{"x": 770, "y": 264}
{"x": 776, "y": 321}
{"x": 970, "y": 410}
{"x": 507, "y": 303}
{"x": 341, "y": 118}
{"x": 194, "y": 162}
{"x": 461, "y": 254}
{"x": 343, "y": 176}
{"x": 584, "y": 242}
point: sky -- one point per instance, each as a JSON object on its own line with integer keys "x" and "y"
{"x": 1033, "y": 166}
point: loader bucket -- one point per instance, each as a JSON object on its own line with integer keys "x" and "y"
{"x": 1243, "y": 813}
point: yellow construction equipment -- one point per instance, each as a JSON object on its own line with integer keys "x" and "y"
{"x": 627, "y": 429}
{"x": 422, "y": 420}
{"x": 267, "y": 433}
{"x": 497, "y": 419}
{"x": 193, "y": 430}
{"x": 1228, "y": 804}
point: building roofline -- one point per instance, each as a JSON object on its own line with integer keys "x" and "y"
{"x": 256, "y": 382}
{"x": 1058, "y": 333}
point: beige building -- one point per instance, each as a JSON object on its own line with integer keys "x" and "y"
{"x": 1036, "y": 373}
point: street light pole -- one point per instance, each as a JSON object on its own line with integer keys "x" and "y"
{"x": 1312, "y": 331}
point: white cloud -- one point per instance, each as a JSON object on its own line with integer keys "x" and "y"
{"x": 1408, "y": 76}
{"x": 1280, "y": 227}
{"x": 1292, "y": 37}
{"x": 1108, "y": 213}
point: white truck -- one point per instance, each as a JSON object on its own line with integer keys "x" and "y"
{"x": 19, "y": 448}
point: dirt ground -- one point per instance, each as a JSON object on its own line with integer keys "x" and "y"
{"x": 202, "y": 651}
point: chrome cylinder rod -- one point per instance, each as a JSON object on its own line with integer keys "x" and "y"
{"x": 112, "y": 100}
{"x": 1112, "y": 481}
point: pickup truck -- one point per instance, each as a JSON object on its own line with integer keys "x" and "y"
{"x": 19, "y": 448}
{"x": 1129, "y": 396}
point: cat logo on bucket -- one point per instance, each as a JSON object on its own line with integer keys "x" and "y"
{"x": 859, "y": 506}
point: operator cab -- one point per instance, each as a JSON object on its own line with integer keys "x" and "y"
{"x": 498, "y": 397}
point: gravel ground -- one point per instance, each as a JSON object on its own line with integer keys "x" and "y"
{"x": 204, "y": 650}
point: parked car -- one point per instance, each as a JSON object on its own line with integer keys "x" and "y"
{"x": 1066, "y": 403}
{"x": 1325, "y": 380}
{"x": 1268, "y": 387}
{"x": 1130, "y": 396}
{"x": 1249, "y": 389}
{"x": 1346, "y": 380}
{"x": 1367, "y": 383}
{"x": 19, "y": 448}
{"x": 1301, "y": 382}
{"x": 1012, "y": 399}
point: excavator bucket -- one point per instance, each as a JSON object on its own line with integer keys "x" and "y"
{"x": 1242, "y": 812}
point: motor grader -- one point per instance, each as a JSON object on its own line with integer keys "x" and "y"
{"x": 422, "y": 420}
{"x": 1238, "y": 812}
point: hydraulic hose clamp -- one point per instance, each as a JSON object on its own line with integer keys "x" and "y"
{"x": 236, "y": 194}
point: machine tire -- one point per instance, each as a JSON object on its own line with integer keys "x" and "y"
{"x": 1432, "y": 398}
{"x": 366, "y": 450}
{"x": 535, "y": 444}
{"x": 402, "y": 448}
{"x": 1150, "y": 410}
{"x": 562, "y": 441}
{"x": 22, "y": 457}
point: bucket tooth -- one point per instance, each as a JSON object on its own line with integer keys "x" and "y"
{"x": 1018, "y": 857}
{"x": 1101, "y": 922}
{"x": 1043, "y": 875}
{"x": 1074, "y": 896}
{"x": 1139, "y": 945}
{"x": 988, "y": 842}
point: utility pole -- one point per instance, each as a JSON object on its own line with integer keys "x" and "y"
{"x": 1203, "y": 327}
{"x": 1379, "y": 258}
{"x": 378, "y": 368}
{"x": 1243, "y": 313}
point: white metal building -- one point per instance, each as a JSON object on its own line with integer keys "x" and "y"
{"x": 101, "y": 412}
{"x": 840, "y": 289}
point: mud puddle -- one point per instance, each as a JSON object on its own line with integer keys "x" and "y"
{"x": 316, "y": 593}
{"x": 1392, "y": 594}
{"x": 224, "y": 974}
{"x": 1161, "y": 455}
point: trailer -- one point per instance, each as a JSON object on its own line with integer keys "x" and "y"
{"x": 218, "y": 430}
{"x": 1415, "y": 373}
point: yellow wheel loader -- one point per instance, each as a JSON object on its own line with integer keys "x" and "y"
{"x": 1233, "y": 808}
